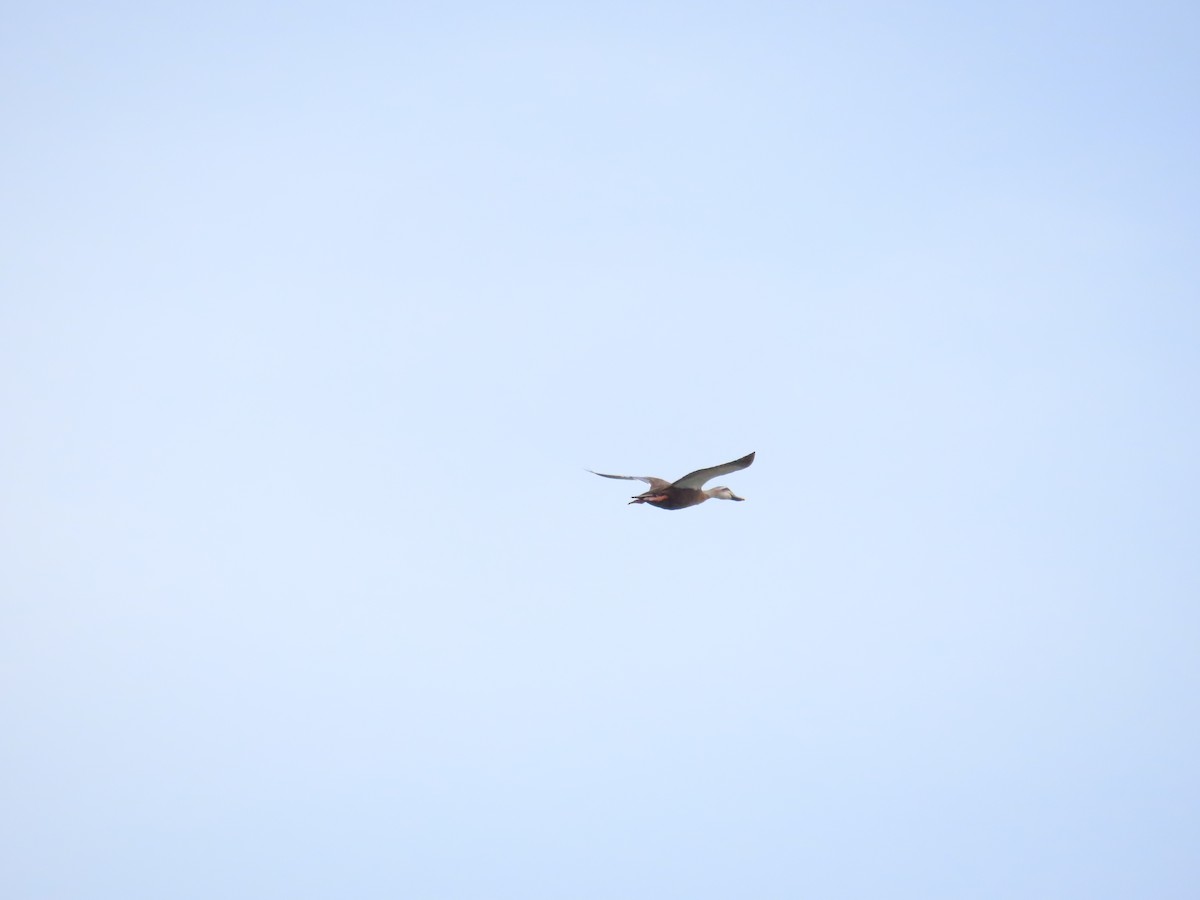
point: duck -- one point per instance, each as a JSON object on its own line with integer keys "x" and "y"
{"x": 688, "y": 490}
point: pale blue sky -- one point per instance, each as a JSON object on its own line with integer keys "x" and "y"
{"x": 313, "y": 315}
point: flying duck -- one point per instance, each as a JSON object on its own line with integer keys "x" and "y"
{"x": 688, "y": 490}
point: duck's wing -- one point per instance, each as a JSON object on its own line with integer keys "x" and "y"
{"x": 656, "y": 484}
{"x": 700, "y": 476}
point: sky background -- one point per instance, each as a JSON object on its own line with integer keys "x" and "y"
{"x": 312, "y": 316}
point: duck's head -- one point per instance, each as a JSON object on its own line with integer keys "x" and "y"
{"x": 723, "y": 493}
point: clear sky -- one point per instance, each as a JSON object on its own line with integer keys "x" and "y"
{"x": 312, "y": 316}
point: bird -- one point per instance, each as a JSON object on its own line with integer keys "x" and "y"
{"x": 688, "y": 490}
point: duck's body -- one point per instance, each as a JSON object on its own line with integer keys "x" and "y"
{"x": 674, "y": 498}
{"x": 688, "y": 490}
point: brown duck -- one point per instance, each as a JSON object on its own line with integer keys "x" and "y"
{"x": 688, "y": 490}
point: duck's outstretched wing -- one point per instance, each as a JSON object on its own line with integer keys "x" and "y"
{"x": 700, "y": 476}
{"x": 656, "y": 484}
